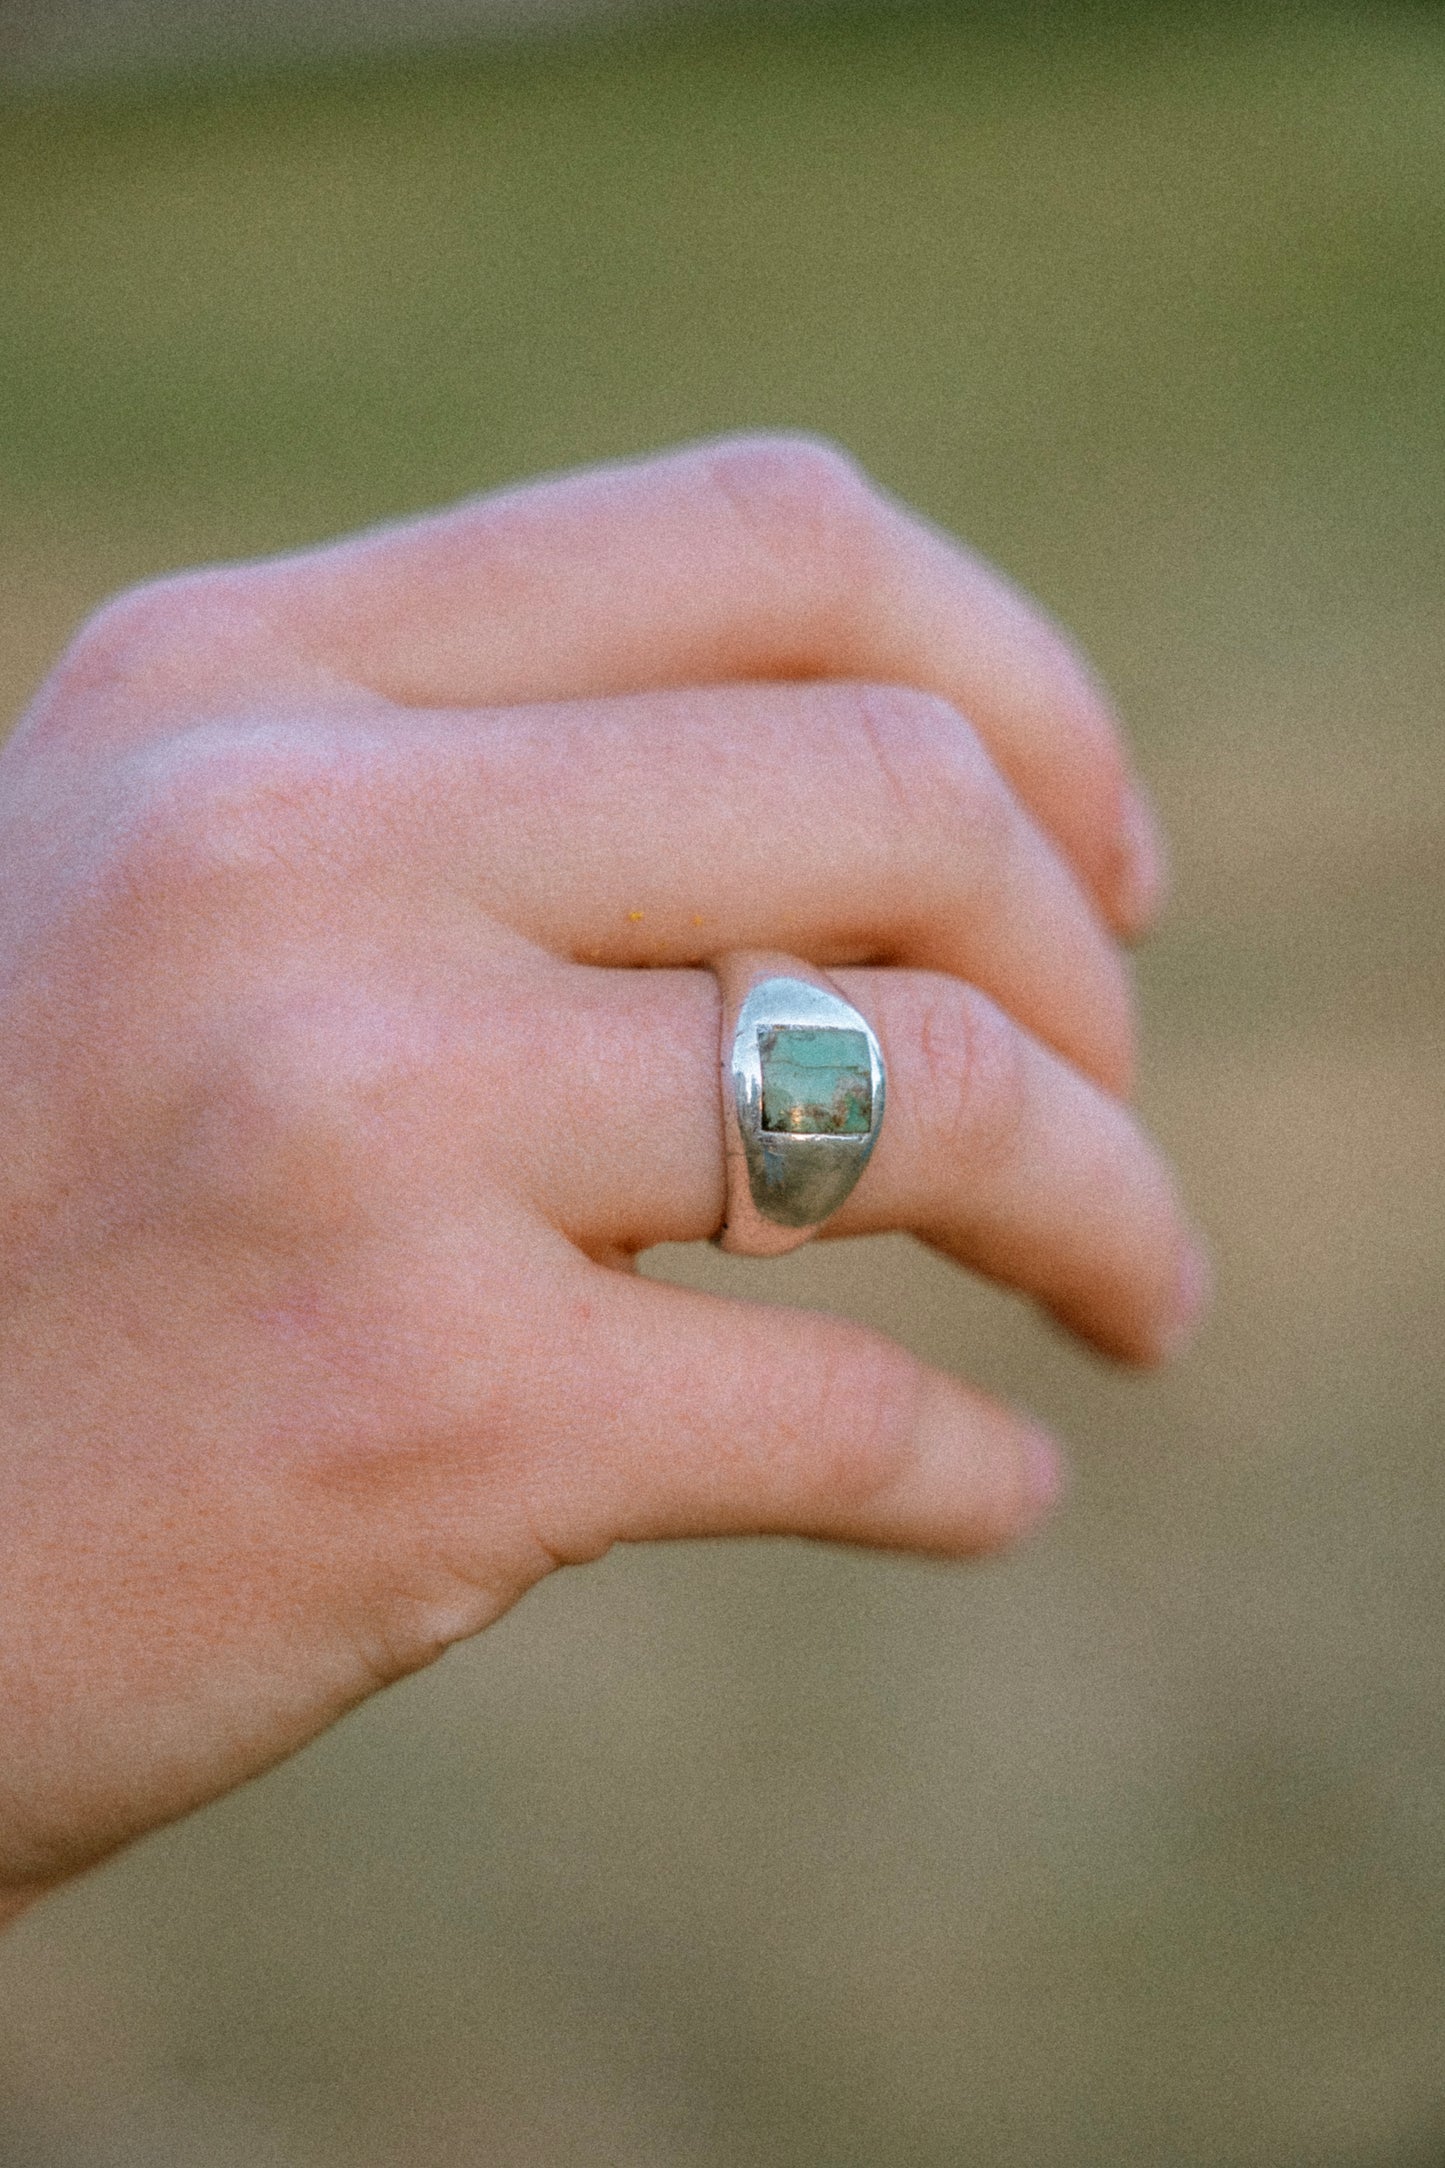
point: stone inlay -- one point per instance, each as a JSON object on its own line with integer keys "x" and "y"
{"x": 817, "y": 1081}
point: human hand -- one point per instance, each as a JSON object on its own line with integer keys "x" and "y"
{"x": 335, "y": 1114}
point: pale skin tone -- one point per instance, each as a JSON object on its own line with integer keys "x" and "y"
{"x": 337, "y": 1111}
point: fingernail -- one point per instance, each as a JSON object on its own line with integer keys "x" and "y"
{"x": 1143, "y": 864}
{"x": 1045, "y": 1474}
{"x": 1193, "y": 1291}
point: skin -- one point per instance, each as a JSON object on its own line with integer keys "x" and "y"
{"x": 337, "y": 1110}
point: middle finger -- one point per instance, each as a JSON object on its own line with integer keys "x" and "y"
{"x": 846, "y": 823}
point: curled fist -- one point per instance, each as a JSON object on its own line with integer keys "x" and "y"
{"x": 356, "y": 1033}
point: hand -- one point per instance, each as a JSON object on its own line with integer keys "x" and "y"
{"x": 335, "y": 1113}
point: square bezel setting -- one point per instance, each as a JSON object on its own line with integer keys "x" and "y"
{"x": 817, "y": 1081}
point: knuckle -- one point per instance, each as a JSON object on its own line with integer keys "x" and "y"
{"x": 867, "y": 1412}
{"x": 789, "y": 466}
{"x": 275, "y": 1146}
{"x": 147, "y": 635}
{"x": 802, "y": 496}
{"x": 199, "y": 906}
{"x": 975, "y": 1076}
{"x": 927, "y": 758}
{"x": 191, "y": 816}
{"x": 222, "y": 811}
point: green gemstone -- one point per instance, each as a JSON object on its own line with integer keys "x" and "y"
{"x": 817, "y": 1081}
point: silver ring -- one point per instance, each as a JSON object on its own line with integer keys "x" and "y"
{"x": 803, "y": 1088}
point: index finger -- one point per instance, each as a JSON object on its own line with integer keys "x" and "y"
{"x": 747, "y": 558}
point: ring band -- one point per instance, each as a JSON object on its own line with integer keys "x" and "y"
{"x": 803, "y": 1089}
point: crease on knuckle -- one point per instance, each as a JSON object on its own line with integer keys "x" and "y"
{"x": 908, "y": 736}
{"x": 953, "y": 819}
{"x": 867, "y": 1411}
{"x": 976, "y": 1077}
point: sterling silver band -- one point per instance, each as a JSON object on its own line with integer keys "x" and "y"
{"x": 803, "y": 1087}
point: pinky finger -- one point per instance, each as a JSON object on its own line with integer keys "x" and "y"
{"x": 734, "y": 1418}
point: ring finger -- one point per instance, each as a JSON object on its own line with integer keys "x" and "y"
{"x": 995, "y": 1150}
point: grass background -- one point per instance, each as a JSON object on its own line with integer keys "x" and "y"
{"x": 1132, "y": 1849}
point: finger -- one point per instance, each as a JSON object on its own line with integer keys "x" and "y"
{"x": 1006, "y": 1158}
{"x": 709, "y": 1417}
{"x": 994, "y": 1150}
{"x": 841, "y": 822}
{"x": 746, "y": 558}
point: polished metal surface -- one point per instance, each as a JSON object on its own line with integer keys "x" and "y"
{"x": 803, "y": 1091}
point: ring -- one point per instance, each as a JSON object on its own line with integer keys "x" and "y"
{"x": 803, "y": 1087}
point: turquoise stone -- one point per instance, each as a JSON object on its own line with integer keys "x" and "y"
{"x": 817, "y": 1081}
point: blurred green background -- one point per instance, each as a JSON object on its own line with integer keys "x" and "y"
{"x": 1131, "y": 1849}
